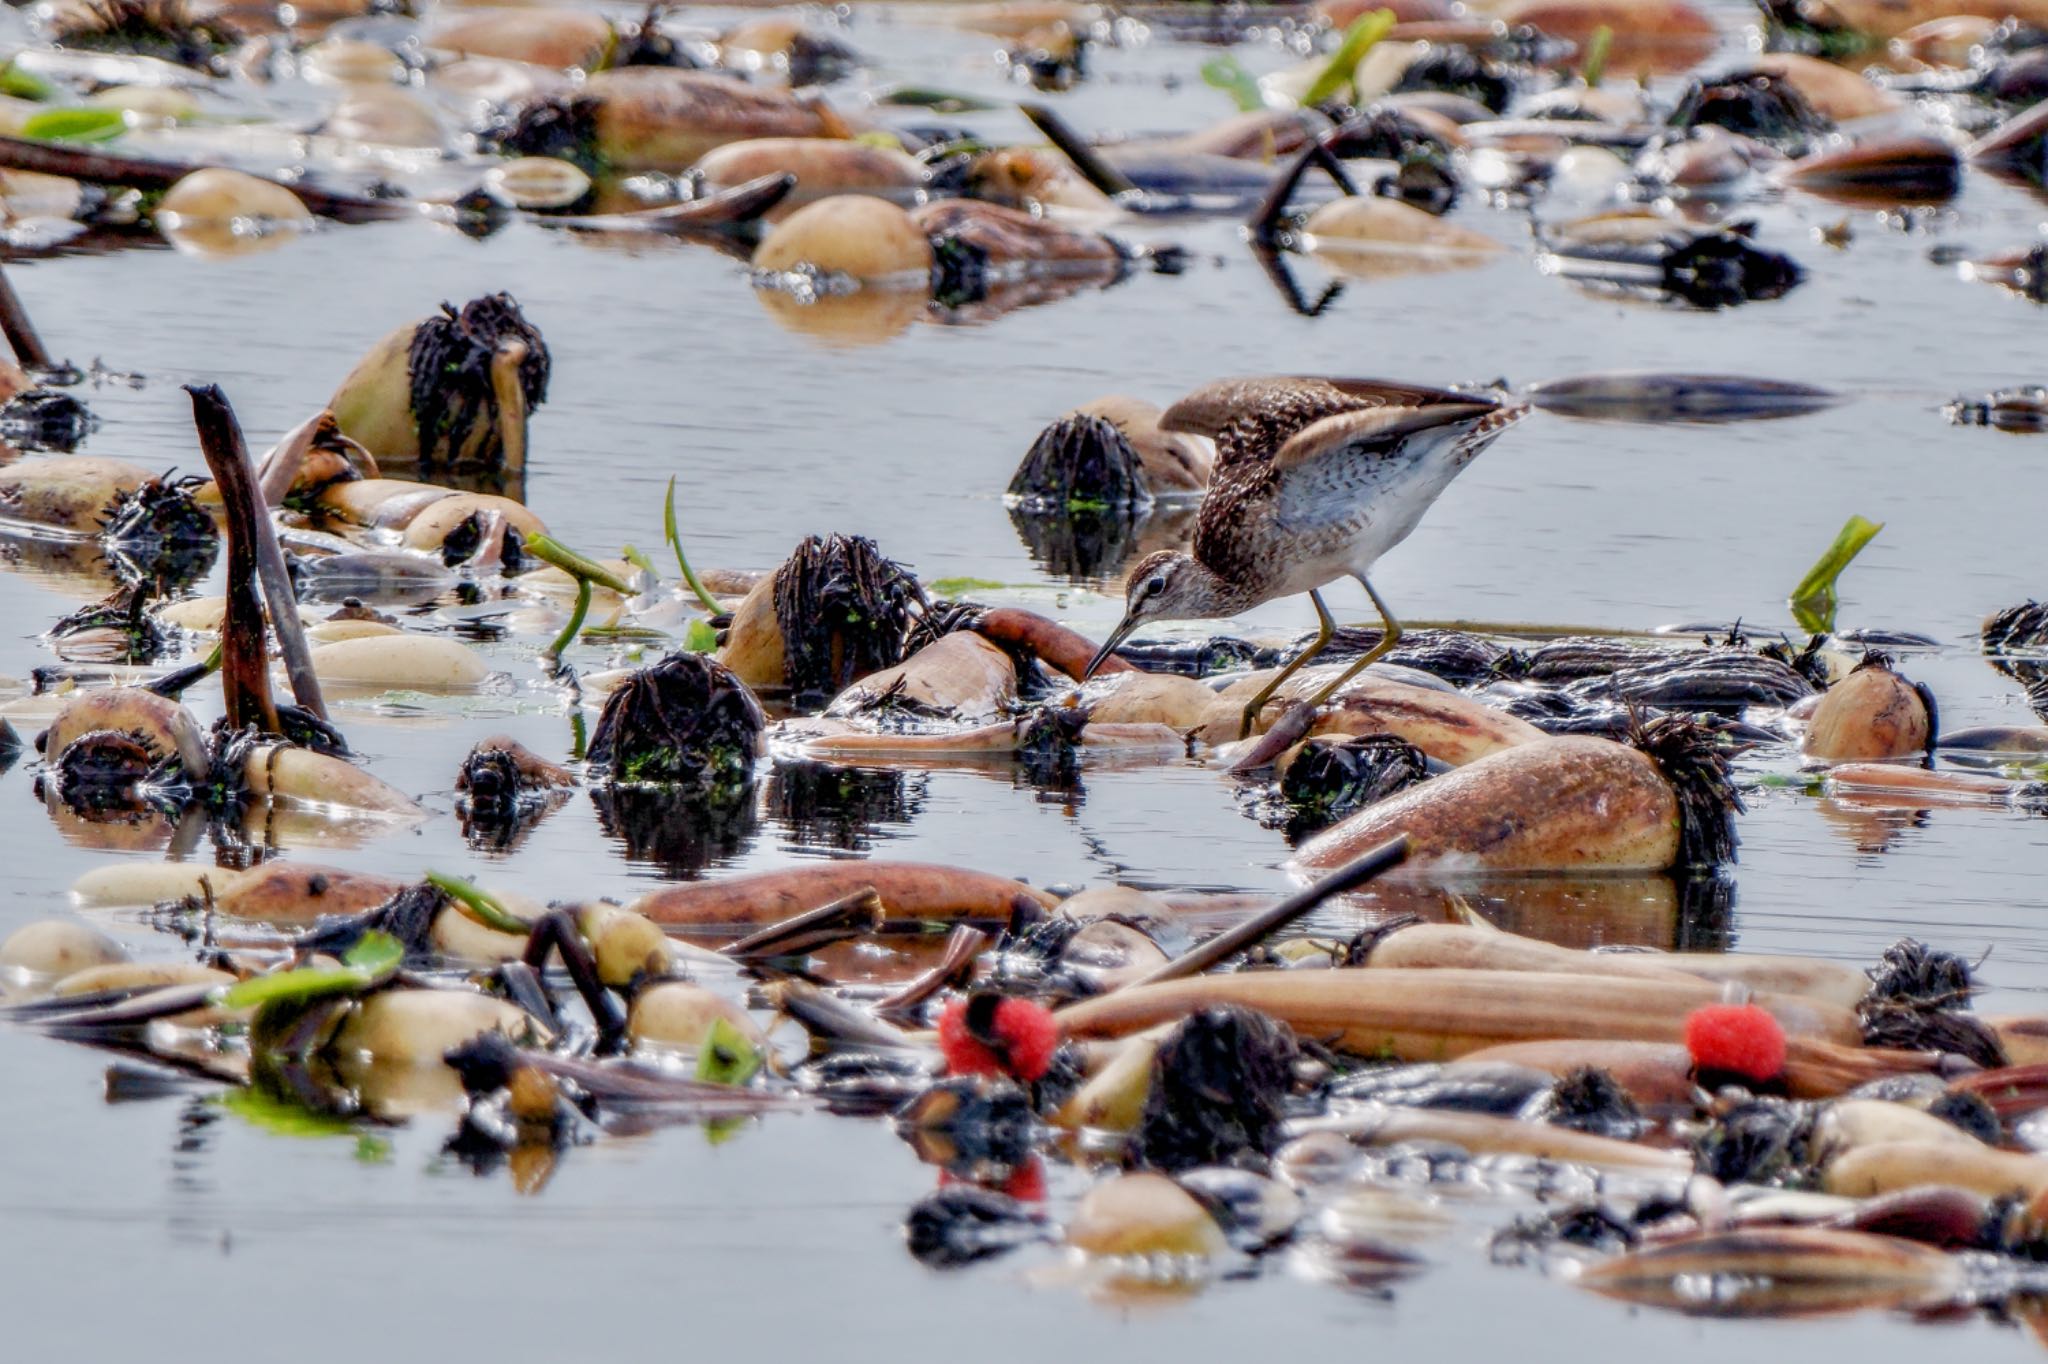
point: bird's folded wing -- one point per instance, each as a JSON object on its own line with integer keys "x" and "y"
{"x": 1305, "y": 398}
{"x": 1373, "y": 433}
{"x": 1327, "y": 473}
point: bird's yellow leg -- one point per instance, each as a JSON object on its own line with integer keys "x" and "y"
{"x": 1388, "y": 639}
{"x": 1325, "y": 628}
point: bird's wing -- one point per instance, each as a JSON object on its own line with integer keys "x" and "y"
{"x": 1326, "y": 469}
{"x": 1250, "y": 419}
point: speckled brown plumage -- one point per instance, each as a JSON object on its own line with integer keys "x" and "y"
{"x": 1273, "y": 524}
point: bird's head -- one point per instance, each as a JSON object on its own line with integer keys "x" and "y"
{"x": 1164, "y": 586}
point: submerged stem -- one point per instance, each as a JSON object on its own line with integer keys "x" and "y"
{"x": 675, "y": 540}
{"x": 575, "y": 625}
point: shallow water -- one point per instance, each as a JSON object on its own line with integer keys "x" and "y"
{"x": 210, "y": 1233}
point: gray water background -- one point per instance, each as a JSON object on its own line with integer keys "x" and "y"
{"x": 168, "y": 1229}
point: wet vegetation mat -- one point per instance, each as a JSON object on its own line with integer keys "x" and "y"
{"x": 1294, "y": 670}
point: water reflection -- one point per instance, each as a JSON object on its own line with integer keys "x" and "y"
{"x": 680, "y": 835}
{"x": 843, "y": 808}
{"x": 1087, "y": 546}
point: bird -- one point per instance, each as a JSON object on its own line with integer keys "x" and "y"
{"x": 1315, "y": 478}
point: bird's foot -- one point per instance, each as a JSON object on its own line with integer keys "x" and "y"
{"x": 1286, "y": 732}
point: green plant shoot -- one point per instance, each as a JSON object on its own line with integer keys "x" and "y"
{"x": 1813, "y": 602}
{"x": 1338, "y": 73}
{"x": 1227, "y": 73}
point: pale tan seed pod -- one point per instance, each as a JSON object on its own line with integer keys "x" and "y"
{"x": 59, "y": 947}
{"x": 854, "y": 235}
{"x": 960, "y": 674}
{"x": 436, "y": 520}
{"x": 823, "y": 166}
{"x": 1150, "y": 698}
{"x": 1401, "y": 233}
{"x": 753, "y": 646}
{"x": 1851, "y": 1124}
{"x": 1871, "y": 713}
{"x": 1887, "y": 1167}
{"x": 66, "y": 492}
{"x": 627, "y": 946}
{"x": 1435, "y": 946}
{"x": 419, "y": 1027}
{"x": 1113, "y": 1098}
{"x": 281, "y": 772}
{"x": 138, "y": 975}
{"x": 676, "y": 1015}
{"x": 222, "y": 212}
{"x": 1143, "y": 1215}
{"x": 129, "y": 884}
{"x": 420, "y": 662}
{"x": 1435, "y": 1015}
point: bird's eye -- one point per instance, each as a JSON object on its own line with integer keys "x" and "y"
{"x": 1154, "y": 586}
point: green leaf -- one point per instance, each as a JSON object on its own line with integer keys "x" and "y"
{"x": 1227, "y": 73}
{"x": 700, "y": 638}
{"x": 1365, "y": 30}
{"x": 726, "y": 1056}
{"x": 370, "y": 962}
{"x": 1813, "y": 602}
{"x": 25, "y": 84}
{"x": 1595, "y": 64}
{"x": 477, "y": 905}
{"x": 75, "y": 125}
{"x": 881, "y": 138}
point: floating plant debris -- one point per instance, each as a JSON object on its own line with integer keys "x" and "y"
{"x": 1152, "y": 959}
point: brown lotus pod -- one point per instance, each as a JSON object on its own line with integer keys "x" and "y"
{"x": 1872, "y": 713}
{"x": 550, "y": 36}
{"x": 823, "y": 166}
{"x": 909, "y": 891}
{"x": 1567, "y": 803}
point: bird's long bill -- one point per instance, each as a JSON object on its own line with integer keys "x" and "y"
{"x": 1116, "y": 637}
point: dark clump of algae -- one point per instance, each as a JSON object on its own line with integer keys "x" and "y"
{"x": 135, "y": 1217}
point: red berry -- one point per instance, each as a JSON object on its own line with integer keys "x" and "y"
{"x": 1737, "y": 1039}
{"x": 964, "y": 1055}
{"x": 1029, "y": 1035}
{"x": 1018, "y": 1038}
